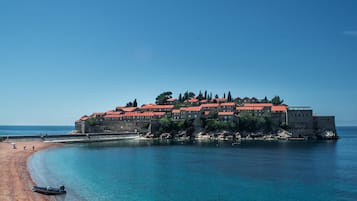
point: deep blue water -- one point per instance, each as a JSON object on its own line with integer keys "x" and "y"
{"x": 34, "y": 130}
{"x": 264, "y": 171}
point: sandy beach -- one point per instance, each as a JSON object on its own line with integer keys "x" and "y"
{"x": 16, "y": 181}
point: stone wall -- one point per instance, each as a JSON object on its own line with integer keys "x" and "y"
{"x": 324, "y": 123}
{"x": 300, "y": 122}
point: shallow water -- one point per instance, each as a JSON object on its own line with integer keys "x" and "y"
{"x": 145, "y": 170}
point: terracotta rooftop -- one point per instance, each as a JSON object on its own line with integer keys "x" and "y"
{"x": 228, "y": 104}
{"x": 143, "y": 114}
{"x": 153, "y": 106}
{"x": 249, "y": 108}
{"x": 127, "y": 109}
{"x": 171, "y": 99}
{"x": 175, "y": 111}
{"x": 193, "y": 100}
{"x": 210, "y": 105}
{"x": 191, "y": 108}
{"x": 258, "y": 104}
{"x": 279, "y": 108}
{"x": 225, "y": 113}
{"x": 112, "y": 116}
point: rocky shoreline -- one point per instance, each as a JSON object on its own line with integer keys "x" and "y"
{"x": 240, "y": 136}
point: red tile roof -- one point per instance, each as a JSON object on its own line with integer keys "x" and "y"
{"x": 112, "y": 116}
{"x": 228, "y": 104}
{"x": 204, "y": 101}
{"x": 191, "y": 108}
{"x": 210, "y": 105}
{"x": 171, "y": 100}
{"x": 279, "y": 108}
{"x": 258, "y": 104}
{"x": 175, "y": 111}
{"x": 143, "y": 114}
{"x": 206, "y": 113}
{"x": 225, "y": 113}
{"x": 220, "y": 99}
{"x": 152, "y": 106}
{"x": 84, "y": 118}
{"x": 249, "y": 108}
{"x": 127, "y": 109}
{"x": 193, "y": 100}
{"x": 112, "y": 113}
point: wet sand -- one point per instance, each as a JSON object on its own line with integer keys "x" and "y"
{"x": 15, "y": 180}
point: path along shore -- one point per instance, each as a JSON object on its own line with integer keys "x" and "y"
{"x": 15, "y": 180}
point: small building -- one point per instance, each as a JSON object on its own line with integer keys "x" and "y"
{"x": 210, "y": 107}
{"x": 226, "y": 116}
{"x": 227, "y": 107}
{"x": 156, "y": 108}
{"x": 300, "y": 121}
{"x": 190, "y": 112}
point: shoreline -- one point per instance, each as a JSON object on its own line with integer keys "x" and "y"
{"x": 16, "y": 178}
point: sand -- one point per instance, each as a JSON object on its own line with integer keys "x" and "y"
{"x": 15, "y": 180}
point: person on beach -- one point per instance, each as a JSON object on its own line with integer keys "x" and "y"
{"x": 24, "y": 147}
{"x": 33, "y": 147}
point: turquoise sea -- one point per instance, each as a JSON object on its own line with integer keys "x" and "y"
{"x": 177, "y": 171}
{"x": 34, "y": 130}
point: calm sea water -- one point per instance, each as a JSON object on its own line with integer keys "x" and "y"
{"x": 264, "y": 171}
{"x": 34, "y": 130}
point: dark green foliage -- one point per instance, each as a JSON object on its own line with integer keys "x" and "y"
{"x": 205, "y": 96}
{"x": 224, "y": 95}
{"x": 216, "y": 96}
{"x": 129, "y": 104}
{"x": 216, "y": 125}
{"x": 135, "y": 103}
{"x": 91, "y": 121}
{"x": 180, "y": 98}
{"x": 276, "y": 100}
{"x": 161, "y": 99}
{"x": 200, "y": 96}
{"x": 250, "y": 122}
{"x": 167, "y": 125}
{"x": 229, "y": 97}
{"x": 265, "y": 100}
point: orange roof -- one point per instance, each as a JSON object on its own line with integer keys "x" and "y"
{"x": 143, "y": 114}
{"x": 225, "y": 113}
{"x": 228, "y": 104}
{"x": 204, "y": 101}
{"x": 152, "y": 106}
{"x": 85, "y": 117}
{"x": 175, "y": 111}
{"x": 127, "y": 109}
{"x": 191, "y": 108}
{"x": 258, "y": 104}
{"x": 112, "y": 113}
{"x": 112, "y": 116}
{"x": 206, "y": 113}
{"x": 249, "y": 108}
{"x": 279, "y": 108}
{"x": 193, "y": 100}
{"x": 210, "y": 105}
{"x": 171, "y": 99}
{"x": 220, "y": 99}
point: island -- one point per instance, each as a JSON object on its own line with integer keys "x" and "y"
{"x": 205, "y": 116}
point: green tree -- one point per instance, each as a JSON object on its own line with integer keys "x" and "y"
{"x": 265, "y": 100}
{"x": 135, "y": 103}
{"x": 200, "y": 96}
{"x": 216, "y": 96}
{"x": 162, "y": 98}
{"x": 276, "y": 100}
{"x": 180, "y": 98}
{"x": 129, "y": 104}
{"x": 229, "y": 98}
{"x": 205, "y": 96}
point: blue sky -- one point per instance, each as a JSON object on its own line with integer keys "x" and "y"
{"x": 62, "y": 59}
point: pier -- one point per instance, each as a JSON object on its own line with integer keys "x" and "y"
{"x": 72, "y": 138}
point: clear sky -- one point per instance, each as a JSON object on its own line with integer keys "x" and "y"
{"x": 62, "y": 59}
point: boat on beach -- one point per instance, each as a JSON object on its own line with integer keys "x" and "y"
{"x": 49, "y": 190}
